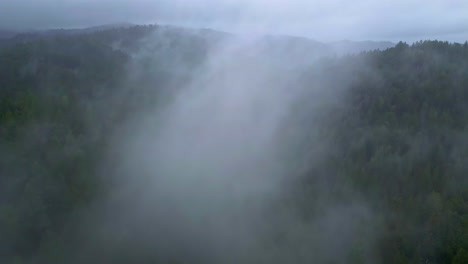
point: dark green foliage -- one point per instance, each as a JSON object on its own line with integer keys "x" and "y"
{"x": 398, "y": 136}
{"x": 61, "y": 99}
{"x": 52, "y": 135}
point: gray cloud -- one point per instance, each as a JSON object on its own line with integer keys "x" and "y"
{"x": 323, "y": 20}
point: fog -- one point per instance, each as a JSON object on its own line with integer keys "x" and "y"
{"x": 321, "y": 20}
{"x": 211, "y": 170}
{"x": 205, "y": 177}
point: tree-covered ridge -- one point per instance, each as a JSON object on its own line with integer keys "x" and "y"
{"x": 400, "y": 139}
{"x": 418, "y": 154}
{"x": 397, "y": 136}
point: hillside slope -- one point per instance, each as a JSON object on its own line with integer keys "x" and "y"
{"x": 382, "y": 131}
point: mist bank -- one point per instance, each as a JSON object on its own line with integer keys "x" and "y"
{"x": 331, "y": 20}
{"x": 293, "y": 43}
{"x": 162, "y": 144}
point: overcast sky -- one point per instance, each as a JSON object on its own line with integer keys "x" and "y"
{"x": 325, "y": 20}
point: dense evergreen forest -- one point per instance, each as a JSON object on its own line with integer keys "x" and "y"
{"x": 395, "y": 127}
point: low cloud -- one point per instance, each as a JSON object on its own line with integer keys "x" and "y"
{"x": 322, "y": 20}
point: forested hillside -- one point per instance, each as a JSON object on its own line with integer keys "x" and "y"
{"x": 399, "y": 139}
{"x": 390, "y": 130}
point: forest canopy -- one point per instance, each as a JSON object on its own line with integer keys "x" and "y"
{"x": 397, "y": 136}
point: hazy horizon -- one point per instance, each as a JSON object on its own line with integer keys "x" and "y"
{"x": 322, "y": 21}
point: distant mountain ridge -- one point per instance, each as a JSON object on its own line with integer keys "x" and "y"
{"x": 31, "y": 34}
{"x": 348, "y": 46}
{"x": 6, "y": 34}
{"x": 279, "y": 43}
